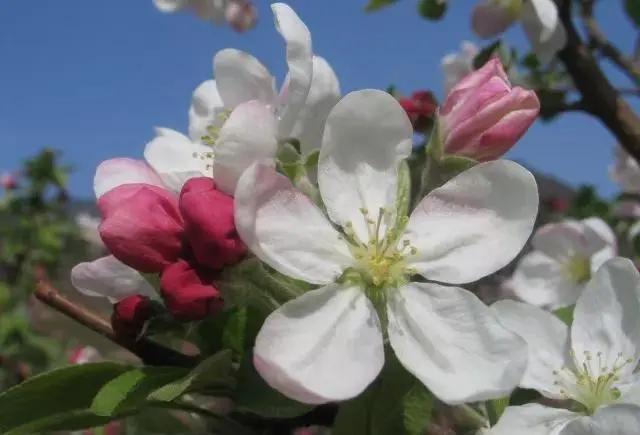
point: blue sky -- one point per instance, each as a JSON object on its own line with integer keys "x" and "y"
{"x": 92, "y": 78}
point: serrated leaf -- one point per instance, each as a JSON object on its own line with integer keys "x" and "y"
{"x": 418, "y": 406}
{"x": 213, "y": 372}
{"x": 375, "y": 5}
{"x": 130, "y": 390}
{"x": 254, "y": 396}
{"x": 62, "y": 391}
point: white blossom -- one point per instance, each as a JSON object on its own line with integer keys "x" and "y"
{"x": 327, "y": 345}
{"x": 564, "y": 256}
{"x": 591, "y": 364}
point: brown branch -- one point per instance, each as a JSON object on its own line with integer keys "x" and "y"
{"x": 599, "y": 40}
{"x": 599, "y": 95}
{"x": 148, "y": 351}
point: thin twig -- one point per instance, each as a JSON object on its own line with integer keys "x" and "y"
{"x": 148, "y": 351}
{"x": 599, "y": 40}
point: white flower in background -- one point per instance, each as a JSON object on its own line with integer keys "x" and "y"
{"x": 327, "y": 345}
{"x": 108, "y": 277}
{"x": 564, "y": 257}
{"x": 240, "y": 14}
{"x": 626, "y": 172}
{"x": 243, "y": 116}
{"x": 540, "y": 20}
{"x": 171, "y": 160}
{"x": 456, "y": 66}
{"x": 592, "y": 363}
{"x": 84, "y": 355}
{"x": 88, "y": 226}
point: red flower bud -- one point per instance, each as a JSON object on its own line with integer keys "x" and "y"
{"x": 9, "y": 181}
{"x": 421, "y": 108}
{"x": 142, "y": 226}
{"x": 209, "y": 224}
{"x": 189, "y": 294}
{"x": 130, "y": 314}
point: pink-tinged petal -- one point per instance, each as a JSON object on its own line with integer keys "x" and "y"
{"x": 141, "y": 226}
{"x": 324, "y": 346}
{"x": 110, "y": 278}
{"x": 116, "y": 172}
{"x": 209, "y": 224}
{"x": 489, "y": 19}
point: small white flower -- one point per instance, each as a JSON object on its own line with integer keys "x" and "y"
{"x": 565, "y": 255}
{"x": 456, "y": 66}
{"x": 240, "y": 14}
{"x": 327, "y": 345}
{"x": 626, "y": 172}
{"x": 243, "y": 116}
{"x": 540, "y": 20}
{"x": 171, "y": 160}
{"x": 592, "y": 363}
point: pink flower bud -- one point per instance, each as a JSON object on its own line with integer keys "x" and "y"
{"x": 9, "y": 181}
{"x": 241, "y": 15}
{"x": 484, "y": 116}
{"x": 421, "y": 108}
{"x": 84, "y": 355}
{"x": 141, "y": 226}
{"x": 209, "y": 224}
{"x": 130, "y": 314}
{"x": 189, "y": 294}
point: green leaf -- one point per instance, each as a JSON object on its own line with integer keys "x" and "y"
{"x": 565, "y": 314}
{"x": 130, "y": 390}
{"x": 214, "y": 372}
{"x": 632, "y": 7}
{"x": 432, "y": 9}
{"x": 71, "y": 421}
{"x": 58, "y": 392}
{"x": 495, "y": 409}
{"x": 254, "y": 396}
{"x": 418, "y": 406}
{"x": 403, "y": 197}
{"x": 375, "y": 5}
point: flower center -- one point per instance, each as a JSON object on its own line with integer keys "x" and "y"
{"x": 381, "y": 261}
{"x": 214, "y": 128}
{"x": 578, "y": 269}
{"x": 591, "y": 383}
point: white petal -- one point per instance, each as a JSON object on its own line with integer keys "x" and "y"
{"x": 241, "y": 77}
{"x": 206, "y": 110}
{"x": 116, "y": 172}
{"x": 286, "y": 230}
{"x": 543, "y": 281}
{"x": 602, "y": 241}
{"x": 606, "y": 316}
{"x": 176, "y": 159}
{"x": 323, "y": 95}
{"x": 475, "y": 224}
{"x": 563, "y": 240}
{"x": 610, "y": 420}
{"x": 543, "y": 28}
{"x": 299, "y": 60}
{"x": 631, "y": 390}
{"x": 453, "y": 343}
{"x": 247, "y": 137}
{"x": 547, "y": 341}
{"x": 533, "y": 419}
{"x": 322, "y": 347}
{"x": 366, "y": 136}
{"x": 108, "y": 277}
